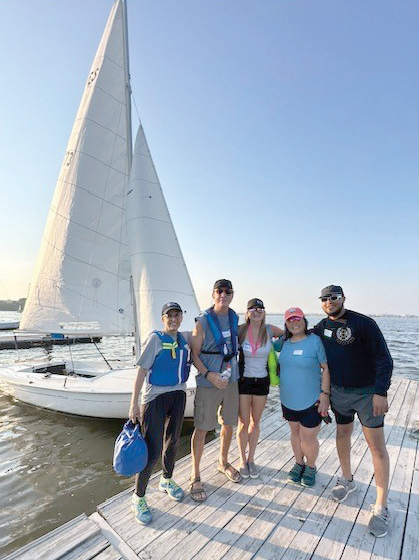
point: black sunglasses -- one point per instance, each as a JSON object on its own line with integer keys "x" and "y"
{"x": 226, "y": 290}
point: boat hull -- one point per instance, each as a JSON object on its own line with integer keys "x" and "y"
{"x": 82, "y": 392}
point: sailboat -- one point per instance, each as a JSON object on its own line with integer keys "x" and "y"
{"x": 109, "y": 257}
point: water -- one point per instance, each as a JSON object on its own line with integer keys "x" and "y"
{"x": 54, "y": 467}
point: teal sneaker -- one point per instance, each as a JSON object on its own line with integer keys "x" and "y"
{"x": 296, "y": 473}
{"x": 309, "y": 476}
{"x": 174, "y": 490}
{"x": 141, "y": 510}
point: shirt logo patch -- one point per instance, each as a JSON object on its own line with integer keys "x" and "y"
{"x": 344, "y": 335}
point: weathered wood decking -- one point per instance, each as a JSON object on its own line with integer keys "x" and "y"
{"x": 263, "y": 518}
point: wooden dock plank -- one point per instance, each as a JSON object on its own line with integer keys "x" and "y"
{"x": 284, "y": 454}
{"x": 92, "y": 549}
{"x": 58, "y": 542}
{"x": 222, "y": 497}
{"x": 303, "y": 532}
{"x": 262, "y": 518}
{"x": 411, "y": 536}
{"x": 346, "y": 514}
{"x": 263, "y": 513}
{"x": 361, "y": 543}
{"x": 123, "y": 521}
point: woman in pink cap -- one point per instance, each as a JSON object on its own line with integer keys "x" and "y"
{"x": 255, "y": 345}
{"x": 305, "y": 393}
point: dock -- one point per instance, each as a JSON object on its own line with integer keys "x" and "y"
{"x": 263, "y": 518}
{"x": 22, "y": 340}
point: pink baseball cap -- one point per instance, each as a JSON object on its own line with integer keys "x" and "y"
{"x": 293, "y": 312}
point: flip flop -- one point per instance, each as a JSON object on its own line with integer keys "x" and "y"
{"x": 197, "y": 495}
{"x": 231, "y": 473}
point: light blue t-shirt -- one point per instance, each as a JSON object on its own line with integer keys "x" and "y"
{"x": 300, "y": 372}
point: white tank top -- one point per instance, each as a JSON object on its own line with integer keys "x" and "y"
{"x": 255, "y": 364}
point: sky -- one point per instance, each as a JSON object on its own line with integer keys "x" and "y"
{"x": 285, "y": 135}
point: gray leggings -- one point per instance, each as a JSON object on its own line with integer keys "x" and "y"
{"x": 161, "y": 425}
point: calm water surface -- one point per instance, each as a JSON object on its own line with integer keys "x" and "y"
{"x": 54, "y": 467}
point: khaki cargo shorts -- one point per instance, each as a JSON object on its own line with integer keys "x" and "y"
{"x": 209, "y": 401}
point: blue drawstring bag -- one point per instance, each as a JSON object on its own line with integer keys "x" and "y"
{"x": 130, "y": 454}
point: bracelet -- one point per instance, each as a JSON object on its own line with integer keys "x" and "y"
{"x": 325, "y": 392}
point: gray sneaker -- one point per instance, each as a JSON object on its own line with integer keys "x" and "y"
{"x": 379, "y": 521}
{"x": 244, "y": 471}
{"x": 342, "y": 489}
{"x": 253, "y": 470}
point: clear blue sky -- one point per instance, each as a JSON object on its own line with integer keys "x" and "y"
{"x": 285, "y": 134}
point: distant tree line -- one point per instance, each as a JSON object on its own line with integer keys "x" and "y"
{"x": 10, "y": 305}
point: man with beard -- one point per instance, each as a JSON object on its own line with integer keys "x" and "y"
{"x": 360, "y": 368}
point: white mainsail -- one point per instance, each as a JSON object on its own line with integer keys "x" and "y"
{"x": 158, "y": 268}
{"x": 82, "y": 276}
{"x": 89, "y": 269}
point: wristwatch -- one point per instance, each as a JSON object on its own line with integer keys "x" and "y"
{"x": 206, "y": 373}
{"x": 325, "y": 392}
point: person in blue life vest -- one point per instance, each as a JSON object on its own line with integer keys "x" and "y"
{"x": 163, "y": 369}
{"x": 214, "y": 349}
{"x": 360, "y": 369}
{"x": 305, "y": 392}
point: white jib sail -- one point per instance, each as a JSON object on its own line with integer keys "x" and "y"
{"x": 158, "y": 268}
{"x": 82, "y": 276}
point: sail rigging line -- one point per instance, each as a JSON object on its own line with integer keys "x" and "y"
{"x": 100, "y": 352}
{"x": 135, "y": 107}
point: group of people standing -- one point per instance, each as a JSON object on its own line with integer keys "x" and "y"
{"x": 342, "y": 362}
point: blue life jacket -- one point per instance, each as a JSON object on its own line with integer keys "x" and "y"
{"x": 171, "y": 365}
{"x": 216, "y": 331}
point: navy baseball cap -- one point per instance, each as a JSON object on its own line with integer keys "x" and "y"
{"x": 169, "y": 306}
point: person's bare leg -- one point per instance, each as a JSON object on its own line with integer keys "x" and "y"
{"x": 380, "y": 458}
{"x": 296, "y": 442}
{"x": 343, "y": 445}
{"x": 225, "y": 441}
{"x": 243, "y": 427}
{"x": 197, "y": 448}
{"x": 310, "y": 444}
{"x": 257, "y": 406}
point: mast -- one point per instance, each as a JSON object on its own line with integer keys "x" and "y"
{"x": 127, "y": 82}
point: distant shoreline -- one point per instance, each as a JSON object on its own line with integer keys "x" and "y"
{"x": 18, "y": 305}
{"x": 12, "y": 305}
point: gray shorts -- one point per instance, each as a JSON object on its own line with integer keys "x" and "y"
{"x": 346, "y": 401}
{"x": 210, "y": 400}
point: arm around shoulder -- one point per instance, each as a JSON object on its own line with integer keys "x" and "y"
{"x": 276, "y": 331}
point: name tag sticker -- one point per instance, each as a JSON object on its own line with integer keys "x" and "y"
{"x": 247, "y": 347}
{"x": 298, "y": 352}
{"x": 327, "y": 332}
{"x": 226, "y": 334}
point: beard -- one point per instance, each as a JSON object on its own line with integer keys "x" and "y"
{"x": 336, "y": 312}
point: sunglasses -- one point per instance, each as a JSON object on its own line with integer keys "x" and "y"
{"x": 331, "y": 298}
{"x": 227, "y": 291}
{"x": 294, "y": 319}
{"x": 256, "y": 309}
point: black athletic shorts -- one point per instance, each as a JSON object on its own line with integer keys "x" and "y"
{"x": 309, "y": 417}
{"x": 254, "y": 386}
